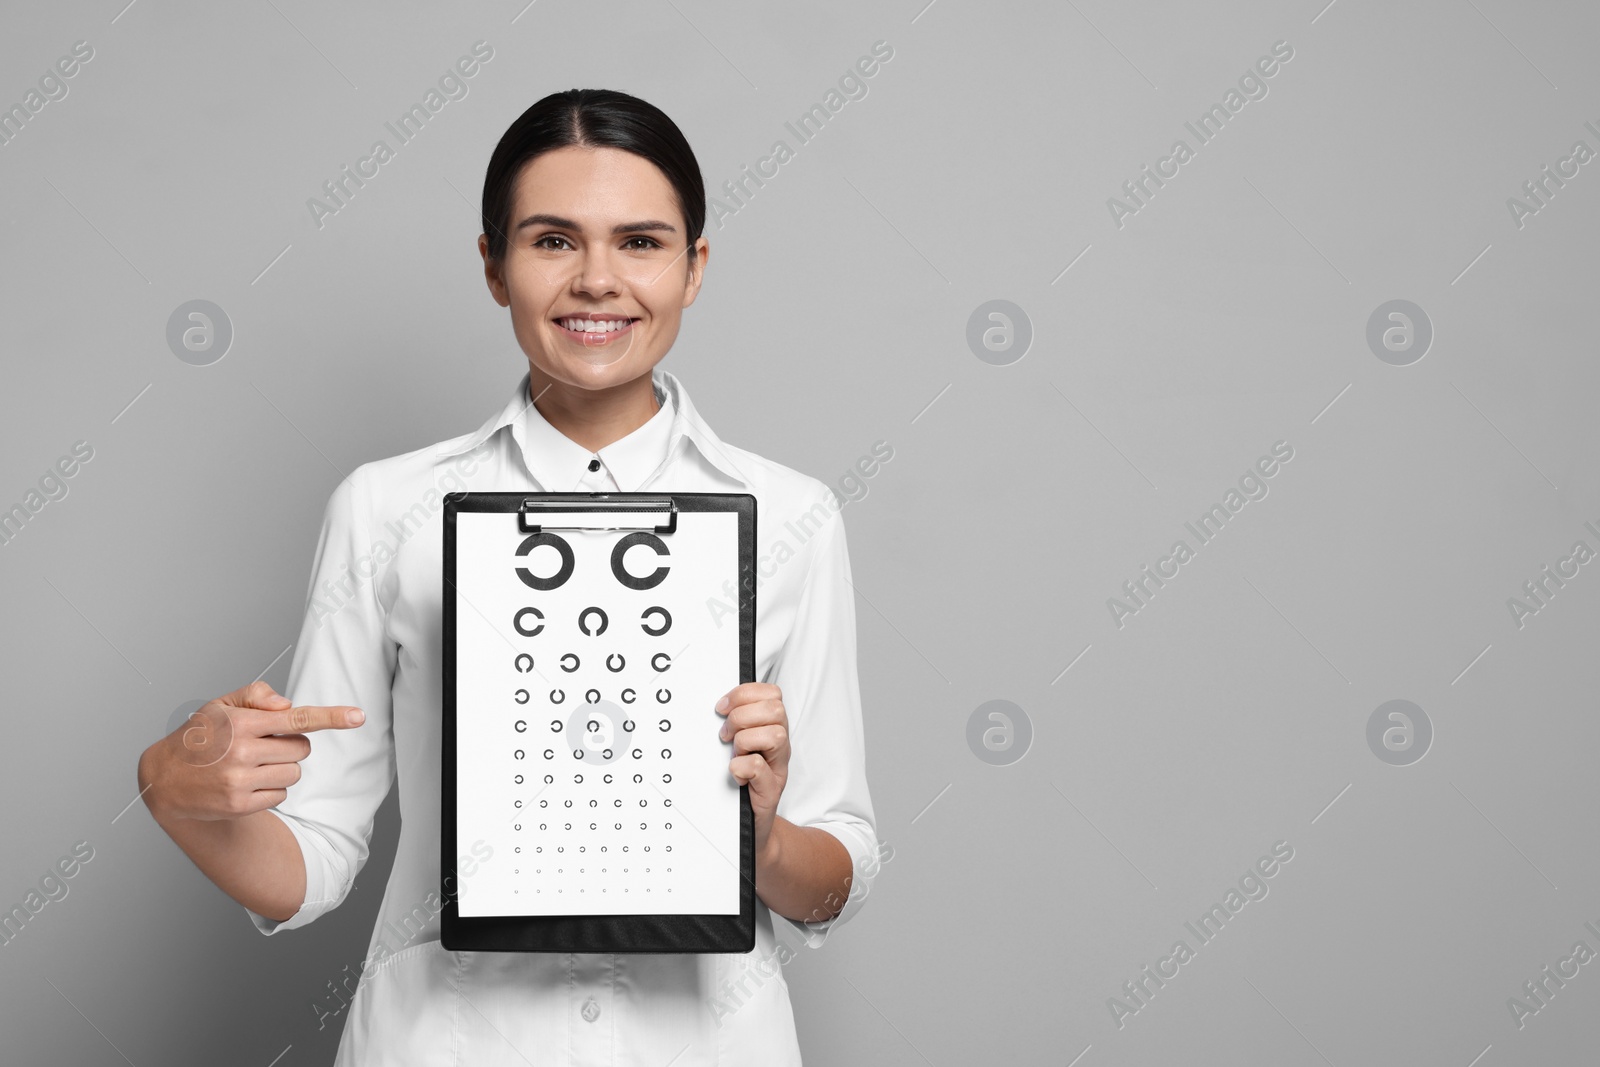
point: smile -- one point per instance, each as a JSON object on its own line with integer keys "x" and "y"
{"x": 598, "y": 330}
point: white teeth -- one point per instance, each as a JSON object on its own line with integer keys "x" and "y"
{"x": 595, "y": 325}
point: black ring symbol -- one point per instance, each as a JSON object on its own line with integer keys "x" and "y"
{"x": 638, "y": 778}
{"x": 549, "y": 753}
{"x": 666, "y": 753}
{"x": 621, "y": 663}
{"x": 592, "y": 696}
{"x": 637, "y": 753}
{"x": 583, "y": 625}
{"x": 663, "y": 699}
{"x": 608, "y": 779}
{"x": 593, "y": 726}
{"x": 519, "y": 779}
{"x": 533, "y": 581}
{"x": 666, "y": 620}
{"x": 666, "y": 777}
{"x": 660, "y": 655}
{"x": 627, "y": 726}
{"x": 555, "y": 726}
{"x": 607, "y": 754}
{"x": 627, "y": 696}
{"x": 521, "y": 697}
{"x": 557, "y": 695}
{"x": 649, "y": 581}
{"x": 577, "y": 753}
{"x": 665, "y": 725}
{"x": 573, "y": 656}
{"x": 521, "y": 726}
{"x": 577, "y": 778}
{"x": 516, "y": 621}
{"x": 517, "y": 663}
{"x": 547, "y": 780}
{"x": 519, "y": 754}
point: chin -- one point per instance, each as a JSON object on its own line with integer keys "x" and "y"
{"x": 574, "y": 370}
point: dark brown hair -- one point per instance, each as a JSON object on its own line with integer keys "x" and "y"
{"x": 591, "y": 118}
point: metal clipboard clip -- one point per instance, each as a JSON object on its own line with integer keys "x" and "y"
{"x": 598, "y": 511}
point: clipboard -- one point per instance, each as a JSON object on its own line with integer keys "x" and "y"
{"x": 586, "y": 638}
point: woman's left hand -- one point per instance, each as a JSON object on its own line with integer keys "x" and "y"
{"x": 758, "y": 726}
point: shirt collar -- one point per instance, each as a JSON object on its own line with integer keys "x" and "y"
{"x": 632, "y": 460}
{"x": 559, "y": 463}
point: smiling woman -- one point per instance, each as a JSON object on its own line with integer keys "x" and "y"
{"x": 592, "y": 219}
{"x": 593, "y": 207}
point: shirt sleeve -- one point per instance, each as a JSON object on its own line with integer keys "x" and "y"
{"x": 816, "y": 670}
{"x": 344, "y": 657}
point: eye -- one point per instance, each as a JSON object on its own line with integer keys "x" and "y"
{"x": 650, "y": 242}
{"x": 540, "y": 243}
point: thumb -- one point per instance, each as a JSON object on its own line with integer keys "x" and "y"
{"x": 257, "y": 694}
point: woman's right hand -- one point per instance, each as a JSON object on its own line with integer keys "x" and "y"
{"x": 237, "y": 755}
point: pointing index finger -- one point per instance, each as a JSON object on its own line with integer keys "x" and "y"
{"x": 307, "y": 718}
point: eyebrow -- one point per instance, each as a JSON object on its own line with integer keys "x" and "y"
{"x": 645, "y": 226}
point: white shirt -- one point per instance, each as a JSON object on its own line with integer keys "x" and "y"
{"x": 372, "y": 638}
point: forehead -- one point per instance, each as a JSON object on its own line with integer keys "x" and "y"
{"x": 594, "y": 186}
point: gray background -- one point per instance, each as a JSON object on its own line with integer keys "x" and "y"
{"x": 1229, "y": 313}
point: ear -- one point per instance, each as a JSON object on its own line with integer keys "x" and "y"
{"x": 492, "y": 274}
{"x": 697, "y": 270}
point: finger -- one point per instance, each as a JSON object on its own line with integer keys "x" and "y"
{"x": 257, "y": 694}
{"x": 760, "y": 713}
{"x": 768, "y": 740}
{"x": 275, "y": 776}
{"x": 277, "y": 748}
{"x": 262, "y": 799}
{"x": 750, "y": 769}
{"x": 746, "y": 692}
{"x": 307, "y": 718}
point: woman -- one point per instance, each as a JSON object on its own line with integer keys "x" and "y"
{"x": 593, "y": 208}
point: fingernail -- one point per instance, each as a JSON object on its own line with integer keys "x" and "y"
{"x": 722, "y": 705}
{"x": 355, "y": 716}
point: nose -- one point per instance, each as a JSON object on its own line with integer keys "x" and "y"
{"x": 596, "y": 276}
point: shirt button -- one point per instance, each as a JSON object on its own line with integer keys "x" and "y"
{"x": 594, "y": 464}
{"x": 591, "y": 1010}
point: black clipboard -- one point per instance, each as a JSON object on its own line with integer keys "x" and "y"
{"x": 527, "y": 517}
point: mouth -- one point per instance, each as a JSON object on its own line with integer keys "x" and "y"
{"x": 594, "y": 330}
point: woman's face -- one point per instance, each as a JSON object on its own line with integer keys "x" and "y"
{"x": 596, "y": 271}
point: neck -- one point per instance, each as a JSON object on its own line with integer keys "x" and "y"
{"x": 593, "y": 418}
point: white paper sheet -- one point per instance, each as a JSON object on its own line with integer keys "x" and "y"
{"x": 676, "y": 850}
